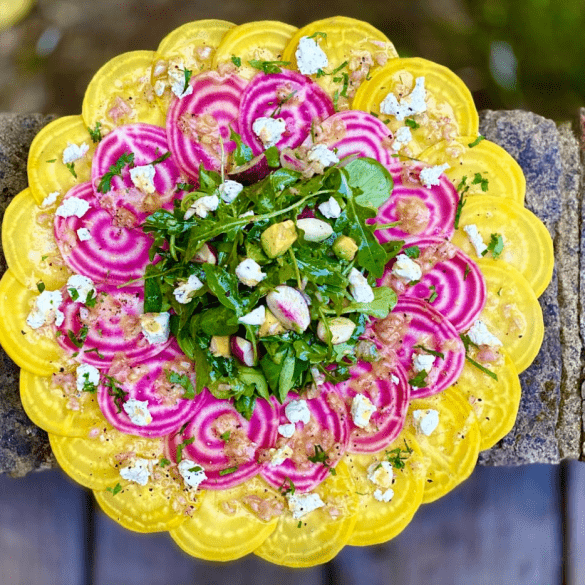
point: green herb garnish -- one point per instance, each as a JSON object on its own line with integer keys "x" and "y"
{"x": 115, "y": 490}
{"x": 41, "y": 286}
{"x": 79, "y": 339}
{"x": 433, "y": 295}
{"x": 412, "y": 123}
{"x": 188, "y": 73}
{"x": 467, "y": 343}
{"x": 397, "y": 457}
{"x": 476, "y": 141}
{"x": 95, "y": 133}
{"x": 268, "y": 67}
{"x": 412, "y": 251}
{"x": 228, "y": 470}
{"x": 115, "y": 391}
{"x": 237, "y": 61}
{"x": 105, "y": 183}
{"x": 71, "y": 167}
{"x": 182, "y": 380}
{"x": 496, "y": 246}
{"x": 181, "y": 446}
{"x": 419, "y": 381}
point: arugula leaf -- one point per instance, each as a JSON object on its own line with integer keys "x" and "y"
{"x": 242, "y": 153}
{"x": 105, "y": 183}
{"x": 252, "y": 376}
{"x": 384, "y": 301}
{"x": 219, "y": 321}
{"x": 272, "y": 157}
{"x": 372, "y": 179}
{"x": 152, "y": 292}
{"x": 224, "y": 286}
{"x": 245, "y": 406}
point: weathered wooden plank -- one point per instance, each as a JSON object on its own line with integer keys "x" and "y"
{"x": 575, "y": 522}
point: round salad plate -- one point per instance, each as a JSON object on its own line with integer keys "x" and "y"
{"x": 270, "y": 291}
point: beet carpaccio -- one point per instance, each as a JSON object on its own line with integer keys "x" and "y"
{"x": 255, "y": 296}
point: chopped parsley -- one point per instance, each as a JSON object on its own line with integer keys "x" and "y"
{"x": 161, "y": 158}
{"x": 419, "y": 381}
{"x": 182, "y": 380}
{"x": 430, "y": 351}
{"x": 87, "y": 385}
{"x": 467, "y": 271}
{"x": 181, "y": 446}
{"x": 95, "y": 133}
{"x": 467, "y": 343}
{"x": 71, "y": 167}
{"x": 225, "y": 436}
{"x": 52, "y": 160}
{"x": 321, "y": 456}
{"x": 412, "y": 251}
{"x": 268, "y": 67}
{"x": 496, "y": 246}
{"x": 73, "y": 293}
{"x": 115, "y": 391}
{"x": 195, "y": 469}
{"x": 41, "y": 286}
{"x": 90, "y": 299}
{"x": 237, "y": 61}
{"x": 228, "y": 470}
{"x": 434, "y": 295}
{"x": 164, "y": 462}
{"x": 79, "y": 339}
{"x": 188, "y": 73}
{"x": 397, "y": 457}
{"x": 96, "y": 351}
{"x": 115, "y": 490}
{"x": 105, "y": 183}
{"x": 412, "y": 123}
{"x": 476, "y": 141}
{"x": 284, "y": 489}
{"x": 318, "y": 34}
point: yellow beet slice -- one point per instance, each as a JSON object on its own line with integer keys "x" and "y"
{"x": 262, "y": 41}
{"x": 45, "y": 169}
{"x": 528, "y": 246}
{"x": 450, "y": 109}
{"x": 512, "y": 312}
{"x": 504, "y": 175}
{"x": 224, "y": 528}
{"x": 318, "y": 536}
{"x": 494, "y": 402}
{"x": 29, "y": 244}
{"x": 123, "y": 82}
{"x": 348, "y": 40}
{"x": 377, "y": 521}
{"x": 30, "y": 349}
{"x": 451, "y": 450}
{"x": 48, "y": 407}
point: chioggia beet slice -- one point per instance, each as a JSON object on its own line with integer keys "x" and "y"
{"x": 221, "y": 442}
{"x": 162, "y": 381}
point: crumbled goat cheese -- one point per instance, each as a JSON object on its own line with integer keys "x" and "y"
{"x": 177, "y": 77}
{"x": 475, "y": 238}
{"x": 422, "y": 361}
{"x": 183, "y": 291}
{"x": 480, "y": 335}
{"x": 138, "y": 412}
{"x": 361, "y": 410}
{"x": 83, "y": 234}
{"x": 46, "y": 309}
{"x": 137, "y": 471}
{"x": 381, "y": 474}
{"x": 310, "y": 56}
{"x": 203, "y": 206}
{"x": 287, "y": 430}
{"x": 301, "y": 504}
{"x": 395, "y": 379}
{"x": 159, "y": 87}
{"x": 87, "y": 374}
{"x": 50, "y": 199}
{"x": 82, "y": 285}
{"x": 192, "y": 473}
{"x": 384, "y": 496}
{"x": 297, "y": 411}
{"x": 155, "y": 327}
{"x": 412, "y": 104}
{"x": 330, "y": 209}
{"x": 74, "y": 152}
{"x": 430, "y": 176}
{"x": 72, "y": 206}
{"x": 280, "y": 455}
{"x": 406, "y": 268}
{"x": 402, "y": 138}
{"x": 269, "y": 130}
{"x": 426, "y": 421}
{"x": 143, "y": 178}
{"x": 229, "y": 190}
{"x": 249, "y": 272}
{"x": 359, "y": 288}
{"x": 255, "y": 317}
{"x": 321, "y": 154}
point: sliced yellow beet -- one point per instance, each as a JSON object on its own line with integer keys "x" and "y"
{"x": 49, "y": 408}
{"x": 494, "y": 402}
{"x": 225, "y": 528}
{"x": 504, "y": 175}
{"x": 91, "y": 460}
{"x": 30, "y": 349}
{"x": 512, "y": 312}
{"x": 29, "y": 244}
{"x": 347, "y": 40}
{"x": 378, "y": 521}
{"x": 318, "y": 536}
{"x": 121, "y": 93}
{"x": 450, "y": 110}
{"x": 451, "y": 450}
{"x": 45, "y": 168}
{"x": 261, "y": 41}
{"x": 528, "y": 246}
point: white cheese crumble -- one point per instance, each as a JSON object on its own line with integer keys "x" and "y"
{"x": 426, "y": 421}
{"x": 159, "y": 87}
{"x": 249, "y": 272}
{"x": 203, "y": 206}
{"x": 74, "y": 152}
{"x": 359, "y": 288}
{"x": 269, "y": 130}
{"x": 362, "y": 410}
{"x": 143, "y": 178}
{"x": 412, "y": 104}
{"x": 87, "y": 374}
{"x": 46, "y": 309}
{"x": 480, "y": 335}
{"x": 83, "y": 234}
{"x": 279, "y": 456}
{"x": 321, "y": 154}
{"x": 381, "y": 474}
{"x": 301, "y": 504}
{"x": 297, "y": 411}
{"x": 406, "y": 268}
{"x": 72, "y": 206}
{"x": 422, "y": 361}
{"x": 287, "y": 430}
{"x": 431, "y": 176}
{"x": 229, "y": 190}
{"x": 177, "y": 77}
{"x": 137, "y": 411}
{"x": 50, "y": 199}
{"x": 330, "y": 209}
{"x": 475, "y": 238}
{"x": 255, "y": 317}
{"x": 402, "y": 138}
{"x": 395, "y": 379}
{"x": 137, "y": 471}
{"x": 183, "y": 292}
{"x": 310, "y": 56}
{"x": 192, "y": 473}
{"x": 155, "y": 327}
{"x": 79, "y": 286}
{"x": 384, "y": 496}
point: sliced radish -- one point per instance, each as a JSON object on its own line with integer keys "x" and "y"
{"x": 112, "y": 254}
{"x": 225, "y": 444}
{"x": 148, "y": 382}
{"x": 192, "y": 139}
